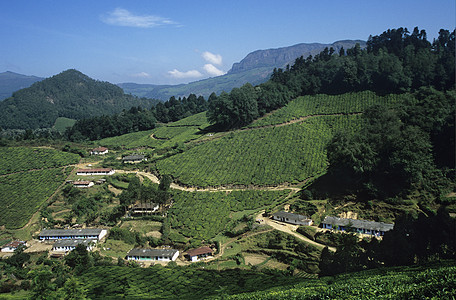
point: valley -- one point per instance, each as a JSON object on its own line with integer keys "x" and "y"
{"x": 332, "y": 179}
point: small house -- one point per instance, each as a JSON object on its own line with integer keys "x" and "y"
{"x": 199, "y": 253}
{"x": 66, "y": 246}
{"x": 359, "y": 226}
{"x": 82, "y": 184}
{"x": 291, "y": 218}
{"x": 12, "y": 246}
{"x": 133, "y": 159}
{"x": 99, "y": 171}
{"x": 72, "y": 234}
{"x": 99, "y": 151}
{"x": 139, "y": 254}
{"x": 145, "y": 208}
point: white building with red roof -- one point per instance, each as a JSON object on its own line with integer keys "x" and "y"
{"x": 99, "y": 151}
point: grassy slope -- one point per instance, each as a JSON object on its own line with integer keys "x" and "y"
{"x": 62, "y": 123}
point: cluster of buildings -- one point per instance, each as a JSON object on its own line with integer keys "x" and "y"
{"x": 335, "y": 223}
{"x": 13, "y": 245}
{"x": 66, "y": 240}
{"x": 153, "y": 255}
{"x": 359, "y": 226}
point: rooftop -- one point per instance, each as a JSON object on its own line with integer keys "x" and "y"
{"x": 69, "y": 232}
{"x": 14, "y": 244}
{"x": 81, "y": 182}
{"x": 363, "y": 224}
{"x": 152, "y": 252}
{"x": 93, "y": 170}
{"x": 100, "y": 149}
{"x": 284, "y": 214}
{"x": 71, "y": 242}
{"x": 199, "y": 251}
{"x": 133, "y": 157}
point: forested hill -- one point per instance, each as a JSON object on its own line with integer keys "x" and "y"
{"x": 69, "y": 94}
{"x": 11, "y": 82}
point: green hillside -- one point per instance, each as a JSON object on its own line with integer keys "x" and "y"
{"x": 203, "y": 215}
{"x": 28, "y": 176}
{"x": 267, "y": 156}
{"x": 272, "y": 155}
{"x": 167, "y": 135}
{"x": 69, "y": 94}
{"x": 18, "y": 159}
{"x": 429, "y": 282}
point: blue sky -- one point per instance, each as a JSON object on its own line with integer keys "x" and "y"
{"x": 170, "y": 42}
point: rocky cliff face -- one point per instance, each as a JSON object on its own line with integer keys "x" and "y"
{"x": 280, "y": 57}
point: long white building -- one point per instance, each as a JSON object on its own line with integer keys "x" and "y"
{"x": 152, "y": 254}
{"x": 75, "y": 234}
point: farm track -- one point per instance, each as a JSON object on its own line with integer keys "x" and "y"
{"x": 176, "y": 186}
{"x": 291, "y": 229}
{"x": 299, "y": 120}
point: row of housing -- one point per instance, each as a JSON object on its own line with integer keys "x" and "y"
{"x": 66, "y": 240}
{"x": 342, "y": 224}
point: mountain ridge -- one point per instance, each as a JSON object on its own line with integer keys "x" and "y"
{"x": 255, "y": 68}
{"x": 11, "y": 82}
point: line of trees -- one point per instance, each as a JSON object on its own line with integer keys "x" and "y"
{"x": 395, "y": 61}
{"x": 135, "y": 119}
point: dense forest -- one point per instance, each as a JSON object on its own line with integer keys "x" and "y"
{"x": 394, "y": 62}
{"x": 135, "y": 119}
{"x": 398, "y": 149}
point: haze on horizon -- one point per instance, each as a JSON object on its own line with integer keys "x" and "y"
{"x": 164, "y": 42}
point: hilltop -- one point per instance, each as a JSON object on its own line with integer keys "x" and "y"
{"x": 70, "y": 94}
{"x": 255, "y": 68}
{"x": 11, "y": 82}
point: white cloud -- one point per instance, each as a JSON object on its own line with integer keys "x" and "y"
{"x": 122, "y": 17}
{"x": 189, "y": 74}
{"x": 141, "y": 75}
{"x": 212, "y": 70}
{"x": 215, "y": 59}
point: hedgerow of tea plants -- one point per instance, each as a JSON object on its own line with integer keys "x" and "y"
{"x": 267, "y": 156}
{"x": 17, "y": 159}
{"x": 203, "y": 215}
{"x": 21, "y": 194}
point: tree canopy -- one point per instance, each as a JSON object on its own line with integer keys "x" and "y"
{"x": 393, "y": 62}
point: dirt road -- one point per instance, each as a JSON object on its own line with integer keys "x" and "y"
{"x": 176, "y": 186}
{"x": 291, "y": 229}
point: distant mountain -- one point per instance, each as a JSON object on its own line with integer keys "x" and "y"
{"x": 280, "y": 57}
{"x": 11, "y": 82}
{"x": 69, "y": 94}
{"x": 255, "y": 68}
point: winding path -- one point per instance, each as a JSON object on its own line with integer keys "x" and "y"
{"x": 176, "y": 186}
